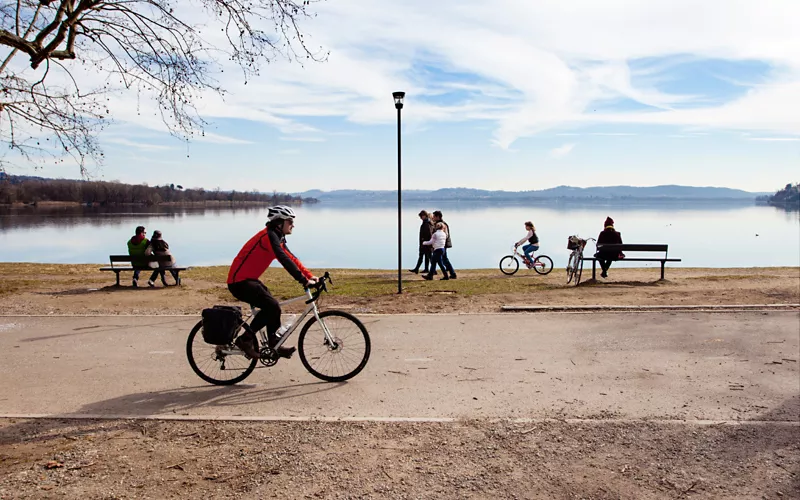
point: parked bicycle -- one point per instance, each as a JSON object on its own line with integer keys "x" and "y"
{"x": 333, "y": 345}
{"x": 509, "y": 264}
{"x": 575, "y": 262}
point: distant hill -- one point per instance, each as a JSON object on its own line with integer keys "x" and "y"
{"x": 788, "y": 197}
{"x": 30, "y": 190}
{"x": 565, "y": 193}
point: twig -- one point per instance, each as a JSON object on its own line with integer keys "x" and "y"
{"x": 526, "y": 431}
{"x": 177, "y": 466}
{"x": 573, "y": 363}
{"x": 690, "y": 488}
{"x": 76, "y": 467}
{"x": 387, "y": 474}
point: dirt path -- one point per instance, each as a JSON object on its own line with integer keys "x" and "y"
{"x": 471, "y": 459}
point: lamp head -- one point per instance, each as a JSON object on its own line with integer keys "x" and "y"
{"x": 398, "y": 99}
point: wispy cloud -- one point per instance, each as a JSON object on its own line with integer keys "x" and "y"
{"x": 774, "y": 139}
{"x": 221, "y": 139}
{"x": 141, "y": 146}
{"x": 562, "y": 151}
{"x": 303, "y": 139}
{"x": 503, "y": 64}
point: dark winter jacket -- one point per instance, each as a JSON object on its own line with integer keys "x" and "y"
{"x": 609, "y": 236}
{"x": 425, "y": 232}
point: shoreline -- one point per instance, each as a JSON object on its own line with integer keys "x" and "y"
{"x": 59, "y": 204}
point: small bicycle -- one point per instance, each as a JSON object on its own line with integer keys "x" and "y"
{"x": 509, "y": 264}
{"x": 575, "y": 262}
{"x": 333, "y": 345}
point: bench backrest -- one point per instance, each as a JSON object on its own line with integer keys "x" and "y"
{"x": 634, "y": 247}
{"x": 142, "y": 258}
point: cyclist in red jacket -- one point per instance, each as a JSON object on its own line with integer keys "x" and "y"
{"x": 243, "y": 278}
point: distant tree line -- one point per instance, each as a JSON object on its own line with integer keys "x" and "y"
{"x": 788, "y": 197}
{"x": 30, "y": 190}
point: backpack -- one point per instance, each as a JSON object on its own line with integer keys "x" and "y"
{"x": 220, "y": 324}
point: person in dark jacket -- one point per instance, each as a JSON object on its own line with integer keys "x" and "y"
{"x": 160, "y": 247}
{"x": 137, "y": 246}
{"x": 425, "y": 232}
{"x": 447, "y": 267}
{"x": 608, "y": 236}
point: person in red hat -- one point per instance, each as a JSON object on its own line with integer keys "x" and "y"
{"x": 608, "y": 236}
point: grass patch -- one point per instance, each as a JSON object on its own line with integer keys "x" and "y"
{"x": 372, "y": 283}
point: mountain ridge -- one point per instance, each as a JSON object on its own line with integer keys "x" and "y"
{"x": 620, "y": 193}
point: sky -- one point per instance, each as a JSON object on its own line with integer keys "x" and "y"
{"x": 506, "y": 95}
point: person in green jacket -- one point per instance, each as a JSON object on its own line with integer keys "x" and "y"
{"x": 136, "y": 248}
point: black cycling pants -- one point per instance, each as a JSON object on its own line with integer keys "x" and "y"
{"x": 257, "y": 294}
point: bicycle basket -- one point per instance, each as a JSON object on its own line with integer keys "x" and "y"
{"x": 574, "y": 242}
{"x": 220, "y": 324}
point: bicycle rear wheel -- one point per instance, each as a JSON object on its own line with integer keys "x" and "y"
{"x": 543, "y": 264}
{"x": 345, "y": 358}
{"x": 509, "y": 265}
{"x": 211, "y": 364}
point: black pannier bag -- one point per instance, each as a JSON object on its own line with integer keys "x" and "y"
{"x": 220, "y": 324}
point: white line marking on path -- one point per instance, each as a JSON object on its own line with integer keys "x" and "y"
{"x": 446, "y": 420}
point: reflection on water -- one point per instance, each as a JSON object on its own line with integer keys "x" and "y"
{"x": 336, "y": 236}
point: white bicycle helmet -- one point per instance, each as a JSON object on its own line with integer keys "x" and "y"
{"x": 281, "y": 212}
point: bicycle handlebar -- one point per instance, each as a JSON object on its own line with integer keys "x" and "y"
{"x": 320, "y": 286}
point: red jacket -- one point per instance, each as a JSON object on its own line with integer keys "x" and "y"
{"x": 258, "y": 253}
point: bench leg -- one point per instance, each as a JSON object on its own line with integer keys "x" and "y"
{"x": 662, "y": 270}
{"x": 594, "y": 270}
{"x": 117, "y": 273}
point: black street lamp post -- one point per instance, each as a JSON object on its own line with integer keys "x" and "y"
{"x": 398, "y": 104}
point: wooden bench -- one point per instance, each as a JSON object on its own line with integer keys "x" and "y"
{"x": 636, "y": 247}
{"x": 148, "y": 258}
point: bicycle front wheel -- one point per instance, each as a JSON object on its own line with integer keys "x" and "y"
{"x": 210, "y": 362}
{"x": 339, "y": 361}
{"x": 543, "y": 264}
{"x": 578, "y": 269}
{"x": 509, "y": 265}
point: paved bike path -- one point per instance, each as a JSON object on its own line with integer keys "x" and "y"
{"x": 694, "y": 366}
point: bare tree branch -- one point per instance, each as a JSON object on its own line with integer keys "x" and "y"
{"x": 147, "y": 44}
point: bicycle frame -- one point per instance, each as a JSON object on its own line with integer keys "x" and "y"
{"x": 311, "y": 307}
{"x": 522, "y": 257}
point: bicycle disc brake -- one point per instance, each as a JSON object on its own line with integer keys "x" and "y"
{"x": 268, "y": 356}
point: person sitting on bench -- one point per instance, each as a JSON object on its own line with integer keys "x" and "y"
{"x": 608, "y": 236}
{"x": 136, "y": 248}
{"x": 159, "y": 247}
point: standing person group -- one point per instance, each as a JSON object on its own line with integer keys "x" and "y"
{"x": 439, "y": 242}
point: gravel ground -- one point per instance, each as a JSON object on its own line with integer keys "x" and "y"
{"x": 469, "y": 459}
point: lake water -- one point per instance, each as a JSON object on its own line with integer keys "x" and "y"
{"x": 335, "y": 236}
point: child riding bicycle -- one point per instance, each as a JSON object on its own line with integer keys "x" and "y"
{"x": 532, "y": 246}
